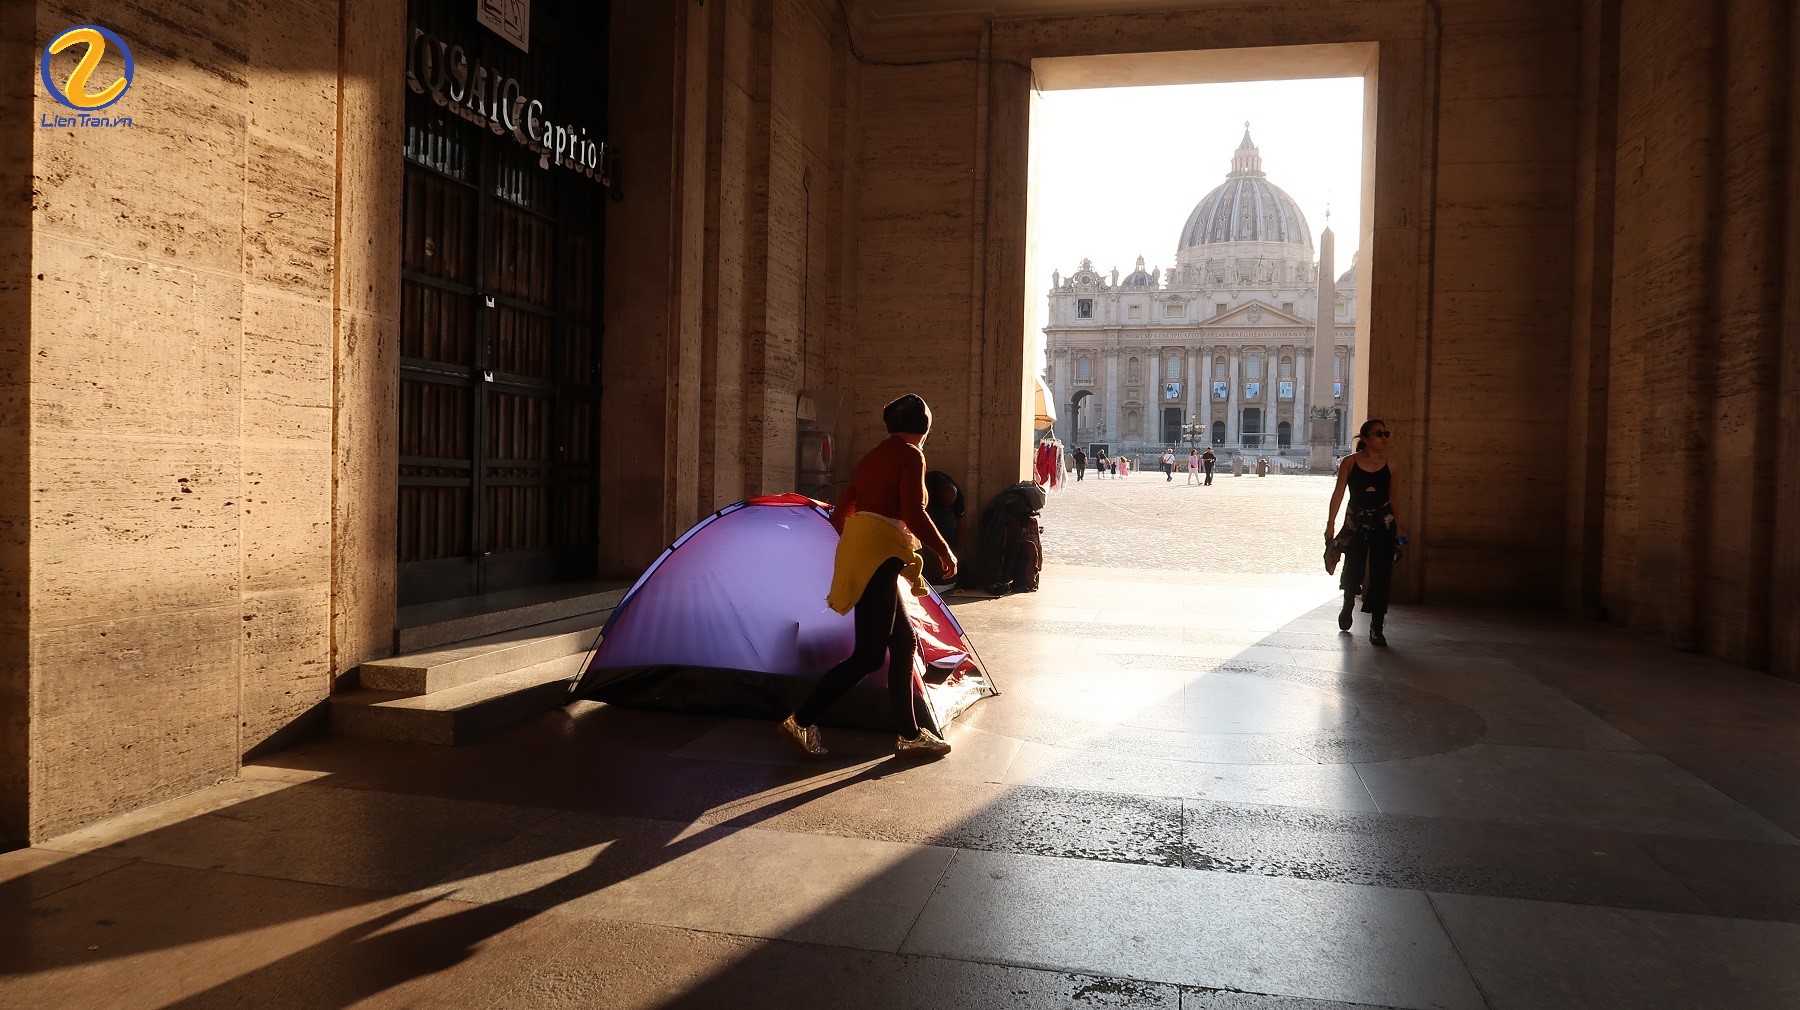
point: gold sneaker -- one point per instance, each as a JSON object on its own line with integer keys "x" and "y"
{"x": 806, "y": 739}
{"x": 926, "y": 745}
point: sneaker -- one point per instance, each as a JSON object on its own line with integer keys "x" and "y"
{"x": 926, "y": 744}
{"x": 806, "y": 739}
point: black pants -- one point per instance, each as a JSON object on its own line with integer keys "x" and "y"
{"x": 1209, "y": 471}
{"x": 1168, "y": 471}
{"x": 1080, "y": 470}
{"x": 1369, "y": 558}
{"x": 882, "y": 630}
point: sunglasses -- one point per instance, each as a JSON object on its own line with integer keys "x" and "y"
{"x": 1380, "y": 434}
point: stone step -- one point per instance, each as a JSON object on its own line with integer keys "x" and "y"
{"x": 451, "y": 666}
{"x": 428, "y": 625}
{"x": 460, "y": 714}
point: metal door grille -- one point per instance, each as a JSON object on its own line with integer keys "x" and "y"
{"x": 499, "y": 355}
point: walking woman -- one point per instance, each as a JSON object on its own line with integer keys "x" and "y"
{"x": 1373, "y": 530}
{"x": 881, "y": 520}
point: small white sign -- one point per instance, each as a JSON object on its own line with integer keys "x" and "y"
{"x": 509, "y": 19}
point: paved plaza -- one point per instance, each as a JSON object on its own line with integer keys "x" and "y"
{"x": 1203, "y": 798}
{"x": 1249, "y": 524}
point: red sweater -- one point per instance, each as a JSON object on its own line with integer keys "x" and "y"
{"x": 890, "y": 481}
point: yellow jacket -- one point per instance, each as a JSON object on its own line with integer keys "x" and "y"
{"x": 868, "y": 541}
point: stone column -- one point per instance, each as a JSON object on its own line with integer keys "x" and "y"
{"x": 1193, "y": 387}
{"x": 1301, "y": 361}
{"x": 1152, "y": 396}
{"x": 1111, "y": 432}
{"x": 1232, "y": 438}
{"x": 1061, "y": 361}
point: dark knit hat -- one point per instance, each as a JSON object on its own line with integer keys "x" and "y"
{"x": 907, "y": 416}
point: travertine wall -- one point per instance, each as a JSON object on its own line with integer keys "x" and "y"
{"x": 726, "y": 256}
{"x": 180, "y": 426}
{"x": 18, "y": 45}
{"x": 1686, "y": 324}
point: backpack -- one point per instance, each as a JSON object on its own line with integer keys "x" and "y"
{"x": 1012, "y": 552}
{"x": 1023, "y": 555}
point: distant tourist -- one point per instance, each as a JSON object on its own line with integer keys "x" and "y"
{"x": 1080, "y": 463}
{"x": 1168, "y": 465}
{"x": 1124, "y": 467}
{"x": 1193, "y": 465}
{"x": 881, "y": 518}
{"x": 1372, "y": 534}
{"x": 1209, "y": 460}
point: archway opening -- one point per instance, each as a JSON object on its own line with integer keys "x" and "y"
{"x": 1242, "y": 341}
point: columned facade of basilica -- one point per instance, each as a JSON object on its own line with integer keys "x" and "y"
{"x": 1218, "y": 349}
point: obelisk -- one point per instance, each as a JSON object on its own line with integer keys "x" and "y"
{"x": 1321, "y": 414}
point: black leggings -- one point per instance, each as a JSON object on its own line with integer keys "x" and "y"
{"x": 1369, "y": 556}
{"x": 882, "y": 630}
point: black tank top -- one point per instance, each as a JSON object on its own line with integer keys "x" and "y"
{"x": 1368, "y": 490}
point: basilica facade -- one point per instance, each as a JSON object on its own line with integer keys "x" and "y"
{"x": 1217, "y": 348}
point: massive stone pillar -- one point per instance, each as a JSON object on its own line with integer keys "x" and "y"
{"x": 1321, "y": 432}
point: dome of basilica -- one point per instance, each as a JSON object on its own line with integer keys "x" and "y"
{"x": 1246, "y": 208}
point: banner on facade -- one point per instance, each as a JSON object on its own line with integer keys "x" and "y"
{"x": 1171, "y": 390}
{"x": 1221, "y": 391}
{"x": 1252, "y": 390}
{"x": 509, "y": 19}
{"x": 1285, "y": 389}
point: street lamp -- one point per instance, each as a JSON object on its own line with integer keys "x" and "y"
{"x": 1193, "y": 433}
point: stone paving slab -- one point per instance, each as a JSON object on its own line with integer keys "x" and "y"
{"x": 1280, "y": 936}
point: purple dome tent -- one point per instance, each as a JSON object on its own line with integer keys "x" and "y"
{"x": 732, "y": 620}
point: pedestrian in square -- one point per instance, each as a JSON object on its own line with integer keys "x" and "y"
{"x": 1168, "y": 465}
{"x": 1372, "y": 534}
{"x": 1209, "y": 460}
{"x": 1080, "y": 463}
{"x": 1193, "y": 465}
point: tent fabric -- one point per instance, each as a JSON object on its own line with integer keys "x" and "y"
{"x": 1044, "y": 406}
{"x": 731, "y": 619}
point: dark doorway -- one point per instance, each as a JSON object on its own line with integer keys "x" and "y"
{"x": 1252, "y": 427}
{"x": 1284, "y": 434}
{"x": 1218, "y": 432}
{"x": 499, "y": 319}
{"x": 1078, "y": 416}
{"x": 1171, "y": 425}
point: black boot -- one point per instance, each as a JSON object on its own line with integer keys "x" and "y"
{"x": 1344, "y": 614}
{"x": 1375, "y": 635}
